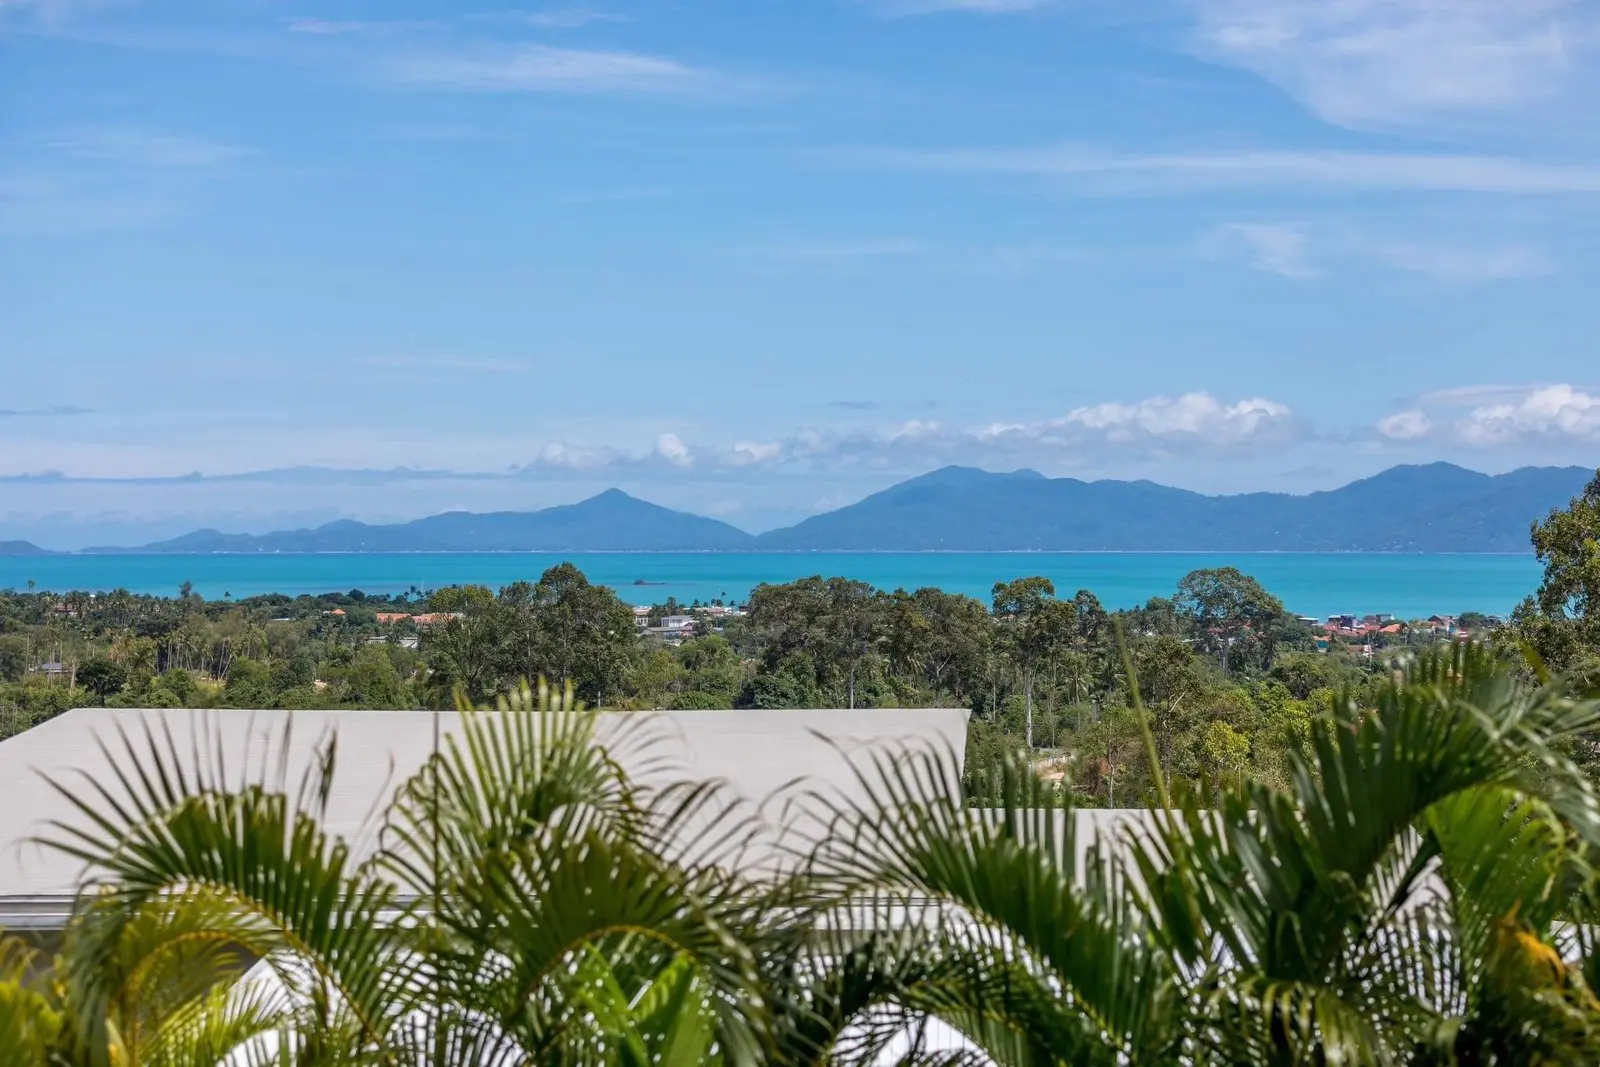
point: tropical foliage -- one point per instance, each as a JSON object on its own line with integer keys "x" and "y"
{"x": 1561, "y": 620}
{"x": 1230, "y": 679}
{"x": 1419, "y": 888}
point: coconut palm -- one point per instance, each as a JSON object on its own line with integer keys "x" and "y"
{"x": 529, "y": 903}
{"x": 1372, "y": 911}
{"x": 1421, "y": 892}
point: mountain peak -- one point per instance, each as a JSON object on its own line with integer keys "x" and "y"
{"x": 1435, "y": 507}
{"x": 611, "y": 521}
{"x": 1439, "y": 507}
{"x": 958, "y": 475}
{"x": 612, "y": 496}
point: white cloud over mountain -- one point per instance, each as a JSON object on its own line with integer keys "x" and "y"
{"x": 1150, "y": 428}
{"x": 1552, "y": 411}
{"x": 1405, "y": 425}
{"x": 1500, "y": 416}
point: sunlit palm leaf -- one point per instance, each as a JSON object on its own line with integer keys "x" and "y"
{"x": 168, "y": 826}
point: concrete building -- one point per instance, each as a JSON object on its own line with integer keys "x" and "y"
{"x": 776, "y": 761}
{"x": 767, "y": 758}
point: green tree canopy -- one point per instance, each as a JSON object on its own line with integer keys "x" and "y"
{"x": 1561, "y": 621}
{"x": 1230, "y": 616}
{"x": 102, "y": 677}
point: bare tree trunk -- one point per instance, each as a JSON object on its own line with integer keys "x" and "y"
{"x": 1027, "y": 700}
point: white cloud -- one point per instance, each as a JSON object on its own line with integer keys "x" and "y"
{"x": 1405, "y": 425}
{"x": 147, "y": 150}
{"x": 1157, "y": 427}
{"x": 543, "y": 69}
{"x": 1466, "y": 264}
{"x": 754, "y": 454}
{"x": 1276, "y": 248}
{"x": 1112, "y": 172}
{"x": 1385, "y": 63}
{"x": 559, "y": 18}
{"x": 560, "y": 455}
{"x": 903, "y": 8}
{"x": 1154, "y": 427}
{"x": 672, "y": 449}
{"x": 1475, "y": 395}
{"x": 346, "y": 27}
{"x": 1499, "y": 415}
{"x": 1553, "y": 411}
{"x": 1300, "y": 250}
{"x": 1198, "y": 416}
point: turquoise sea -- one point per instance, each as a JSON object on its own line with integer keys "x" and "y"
{"x": 1317, "y": 584}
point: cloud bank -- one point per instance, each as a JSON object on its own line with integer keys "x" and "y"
{"x": 1152, "y": 428}
{"x": 1499, "y": 416}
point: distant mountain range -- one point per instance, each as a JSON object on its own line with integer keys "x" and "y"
{"x": 23, "y": 548}
{"x": 1435, "y": 508}
{"x": 610, "y": 522}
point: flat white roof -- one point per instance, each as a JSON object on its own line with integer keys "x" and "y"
{"x": 767, "y": 758}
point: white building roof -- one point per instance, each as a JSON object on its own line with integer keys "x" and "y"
{"x": 766, "y": 758}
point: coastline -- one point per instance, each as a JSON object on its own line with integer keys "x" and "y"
{"x": 1309, "y": 583}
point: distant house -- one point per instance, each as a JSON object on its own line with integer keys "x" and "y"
{"x": 338, "y": 612}
{"x": 641, "y": 618}
{"x": 387, "y": 618}
{"x": 437, "y": 618}
{"x": 51, "y": 670}
{"x": 674, "y": 628}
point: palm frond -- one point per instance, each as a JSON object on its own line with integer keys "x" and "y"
{"x": 252, "y": 858}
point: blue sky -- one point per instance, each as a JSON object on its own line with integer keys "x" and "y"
{"x": 757, "y": 259}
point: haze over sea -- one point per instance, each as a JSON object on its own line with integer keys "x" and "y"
{"x": 1319, "y": 584}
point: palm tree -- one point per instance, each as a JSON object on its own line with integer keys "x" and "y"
{"x": 529, "y": 903}
{"x": 1421, "y": 891}
{"x": 1398, "y": 901}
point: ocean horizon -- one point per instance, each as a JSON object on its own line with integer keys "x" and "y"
{"x": 1309, "y": 583}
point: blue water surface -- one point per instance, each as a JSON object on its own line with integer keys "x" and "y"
{"x": 1317, "y": 584}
